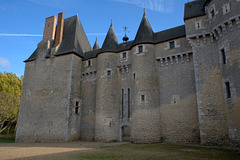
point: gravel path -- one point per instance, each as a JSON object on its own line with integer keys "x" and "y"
{"x": 22, "y": 151}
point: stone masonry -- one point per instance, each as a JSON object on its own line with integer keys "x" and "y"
{"x": 179, "y": 85}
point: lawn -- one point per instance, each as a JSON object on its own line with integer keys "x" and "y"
{"x": 111, "y": 151}
{"x": 160, "y": 151}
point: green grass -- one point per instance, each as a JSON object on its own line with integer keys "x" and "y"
{"x": 7, "y": 138}
{"x": 159, "y": 151}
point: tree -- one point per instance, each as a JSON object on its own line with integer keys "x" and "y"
{"x": 10, "y": 92}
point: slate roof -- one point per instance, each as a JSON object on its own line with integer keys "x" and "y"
{"x": 194, "y": 9}
{"x": 110, "y": 43}
{"x": 96, "y": 45}
{"x": 74, "y": 38}
{"x": 145, "y": 33}
{"x": 158, "y": 37}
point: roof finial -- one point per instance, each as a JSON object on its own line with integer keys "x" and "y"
{"x": 144, "y": 13}
{"x": 111, "y": 22}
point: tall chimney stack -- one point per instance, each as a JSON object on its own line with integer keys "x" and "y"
{"x": 59, "y": 32}
{"x": 50, "y": 28}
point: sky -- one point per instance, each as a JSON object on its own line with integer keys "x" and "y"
{"x": 22, "y": 22}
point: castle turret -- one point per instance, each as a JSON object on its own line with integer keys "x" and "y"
{"x": 96, "y": 45}
{"x": 107, "y": 91}
{"x": 145, "y": 119}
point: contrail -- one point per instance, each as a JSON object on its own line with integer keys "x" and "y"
{"x": 39, "y": 35}
{"x": 19, "y": 35}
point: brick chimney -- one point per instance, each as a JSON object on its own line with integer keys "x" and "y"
{"x": 50, "y": 28}
{"x": 59, "y": 32}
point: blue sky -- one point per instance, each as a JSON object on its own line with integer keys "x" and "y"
{"x": 22, "y": 22}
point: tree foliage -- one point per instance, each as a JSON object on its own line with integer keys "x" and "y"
{"x": 10, "y": 92}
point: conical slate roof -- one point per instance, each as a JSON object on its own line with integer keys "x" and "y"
{"x": 96, "y": 46}
{"x": 110, "y": 43}
{"x": 145, "y": 33}
{"x": 74, "y": 38}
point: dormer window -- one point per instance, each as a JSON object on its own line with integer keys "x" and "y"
{"x": 140, "y": 49}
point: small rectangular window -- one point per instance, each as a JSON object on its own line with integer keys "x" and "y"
{"x": 172, "y": 44}
{"x": 89, "y": 63}
{"x": 223, "y": 56}
{"x": 124, "y": 55}
{"x": 228, "y": 89}
{"x": 142, "y": 98}
{"x": 109, "y": 72}
{"x": 77, "y": 103}
{"x": 140, "y": 49}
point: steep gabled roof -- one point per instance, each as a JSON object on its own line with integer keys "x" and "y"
{"x": 194, "y": 9}
{"x": 74, "y": 38}
{"x": 96, "y": 45}
{"x": 145, "y": 33}
{"x": 110, "y": 43}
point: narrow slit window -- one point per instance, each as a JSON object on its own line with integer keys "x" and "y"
{"x": 223, "y": 56}
{"x": 122, "y": 103}
{"x": 89, "y": 63}
{"x": 77, "y": 103}
{"x": 228, "y": 90}
{"x": 140, "y": 49}
{"x": 212, "y": 12}
{"x": 129, "y": 103}
{"x": 134, "y": 76}
{"x": 76, "y": 110}
{"x": 142, "y": 98}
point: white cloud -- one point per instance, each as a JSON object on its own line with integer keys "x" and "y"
{"x": 165, "y": 6}
{"x": 4, "y": 62}
{"x": 19, "y": 35}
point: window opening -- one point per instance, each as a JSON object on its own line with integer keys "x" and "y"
{"x": 76, "y": 110}
{"x": 228, "y": 90}
{"x": 129, "y": 103}
{"x": 142, "y": 98}
{"x": 124, "y": 55}
{"x": 223, "y": 56}
{"x": 140, "y": 49}
{"x": 77, "y": 103}
{"x": 122, "y": 102}
{"x": 89, "y": 63}
{"x": 134, "y": 76}
{"x": 212, "y": 12}
{"x": 172, "y": 44}
{"x": 109, "y": 72}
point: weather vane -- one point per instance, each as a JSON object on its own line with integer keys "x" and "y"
{"x": 125, "y": 38}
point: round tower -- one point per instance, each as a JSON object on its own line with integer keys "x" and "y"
{"x": 107, "y": 95}
{"x": 145, "y": 120}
